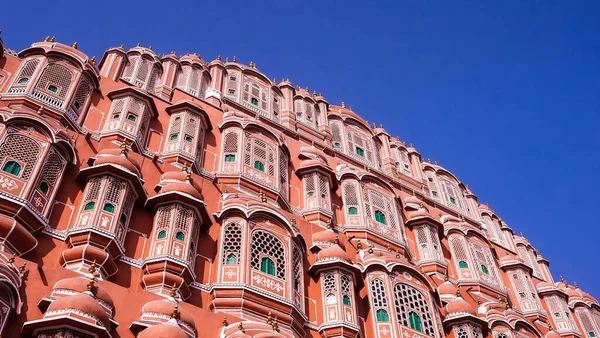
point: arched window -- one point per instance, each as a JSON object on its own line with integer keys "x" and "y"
{"x": 264, "y": 245}
{"x": 109, "y": 208}
{"x": 382, "y": 316}
{"x": 89, "y": 206}
{"x": 380, "y": 217}
{"x": 267, "y": 266}
{"x": 23, "y": 80}
{"x": 330, "y": 299}
{"x": 179, "y": 236}
{"x": 410, "y": 302}
{"x": 123, "y": 219}
{"x": 131, "y": 117}
{"x": 360, "y": 151}
{"x": 229, "y": 158}
{"x": 463, "y": 265}
{"x": 161, "y": 234}
{"x": 415, "y": 321}
{"x": 484, "y": 269}
{"x": 12, "y": 168}
{"x": 44, "y": 187}
{"x": 346, "y": 300}
{"x": 259, "y": 166}
{"x": 231, "y": 259}
{"x": 173, "y": 137}
{"x": 53, "y": 88}
{"x": 352, "y": 211}
{"x": 188, "y": 138}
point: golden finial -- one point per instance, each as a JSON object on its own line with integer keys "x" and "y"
{"x": 446, "y": 277}
{"x": 251, "y": 64}
{"x": 11, "y": 260}
{"x": 74, "y": 45}
{"x": 138, "y": 44}
{"x": 22, "y": 268}
{"x": 380, "y": 125}
{"x": 458, "y": 292}
{"x": 562, "y": 279}
{"x": 150, "y": 47}
{"x": 173, "y": 291}
{"x": 275, "y": 325}
{"x": 337, "y": 239}
{"x": 307, "y": 89}
{"x": 225, "y": 323}
{"x": 389, "y": 247}
{"x": 314, "y": 93}
{"x": 288, "y": 79}
{"x": 507, "y": 304}
{"x": 293, "y": 221}
{"x": 175, "y": 314}
{"x": 269, "y": 318}
{"x": 93, "y": 60}
{"x": 371, "y": 249}
{"x": 122, "y": 45}
{"x": 397, "y": 254}
{"x": 550, "y": 327}
{"x": 254, "y": 65}
{"x": 575, "y": 285}
{"x": 521, "y": 234}
{"x": 90, "y": 286}
{"x": 47, "y": 39}
{"x": 234, "y": 59}
{"x": 40, "y": 109}
{"x": 52, "y": 39}
{"x": 343, "y": 104}
{"x": 297, "y": 87}
{"x": 257, "y": 117}
{"x": 124, "y": 147}
{"x": 219, "y": 57}
{"x": 359, "y": 245}
{"x": 241, "y": 328}
{"x": 274, "y": 81}
{"x": 374, "y": 125}
{"x": 92, "y": 268}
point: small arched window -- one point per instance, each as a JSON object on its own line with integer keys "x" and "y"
{"x": 267, "y": 266}
{"x": 123, "y": 218}
{"x": 415, "y": 321}
{"x": 484, "y": 269}
{"x": 360, "y": 151}
{"x": 380, "y": 217}
{"x": 12, "y": 167}
{"x": 109, "y": 208}
{"x": 188, "y": 138}
{"x": 382, "y": 316}
{"x": 229, "y": 158}
{"x": 259, "y": 166}
{"x": 162, "y": 234}
{"x": 173, "y": 137}
{"x": 131, "y": 117}
{"x": 116, "y": 116}
{"x": 346, "y": 300}
{"x": 330, "y": 299}
{"x": 44, "y": 187}
{"x": 463, "y": 265}
{"x": 180, "y": 236}
{"x": 23, "y": 80}
{"x": 53, "y": 88}
{"x": 89, "y": 206}
{"x": 353, "y": 211}
{"x": 231, "y": 259}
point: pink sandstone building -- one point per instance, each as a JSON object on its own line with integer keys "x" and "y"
{"x": 146, "y": 195}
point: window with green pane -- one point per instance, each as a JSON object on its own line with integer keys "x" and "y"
{"x": 463, "y": 265}
{"x": 380, "y": 217}
{"x": 131, "y": 117}
{"x": 174, "y": 137}
{"x": 229, "y": 158}
{"x": 44, "y": 187}
{"x": 231, "y": 259}
{"x": 353, "y": 211}
{"x": 23, "y": 80}
{"x": 346, "y": 300}
{"x": 179, "y": 236}
{"x": 162, "y": 234}
{"x": 485, "y": 270}
{"x": 259, "y": 166}
{"x": 382, "y": 316}
{"x": 254, "y": 101}
{"x": 188, "y": 138}
{"x": 12, "y": 167}
{"x": 415, "y": 321}
{"x": 360, "y": 151}
{"x": 109, "y": 208}
{"x": 267, "y": 266}
{"x": 89, "y": 206}
{"x": 53, "y": 88}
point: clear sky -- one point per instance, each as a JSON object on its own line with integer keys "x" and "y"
{"x": 504, "y": 94}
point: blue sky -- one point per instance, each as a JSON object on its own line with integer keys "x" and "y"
{"x": 503, "y": 94}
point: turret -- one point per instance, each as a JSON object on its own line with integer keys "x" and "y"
{"x": 214, "y": 94}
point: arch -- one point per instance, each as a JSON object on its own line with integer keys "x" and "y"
{"x": 256, "y": 211}
{"x": 412, "y": 308}
{"x": 268, "y": 252}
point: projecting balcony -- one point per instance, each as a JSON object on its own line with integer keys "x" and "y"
{"x": 254, "y": 180}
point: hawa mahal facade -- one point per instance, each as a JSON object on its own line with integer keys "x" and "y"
{"x": 146, "y": 195}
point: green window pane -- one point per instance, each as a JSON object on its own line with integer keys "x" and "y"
{"x": 336, "y": 144}
{"x": 360, "y": 151}
{"x": 12, "y": 167}
{"x": 188, "y": 138}
{"x": 259, "y": 166}
{"x": 415, "y": 321}
{"x": 116, "y": 116}
{"x": 380, "y": 217}
{"x": 53, "y": 88}
{"x": 89, "y": 206}
{"x": 109, "y": 208}
{"x": 452, "y": 200}
{"x": 267, "y": 266}
{"x": 346, "y": 300}
{"x": 23, "y": 80}
{"x": 485, "y": 270}
{"x": 162, "y": 234}
{"x": 174, "y": 137}
{"x": 229, "y": 158}
{"x": 352, "y": 211}
{"x": 254, "y": 101}
{"x": 463, "y": 265}
{"x": 231, "y": 259}
{"x": 382, "y": 316}
{"x": 44, "y": 187}
{"x": 180, "y": 236}
{"x": 131, "y": 117}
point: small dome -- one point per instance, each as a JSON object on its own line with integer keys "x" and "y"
{"x": 178, "y": 181}
{"x": 166, "y": 307}
{"x": 115, "y": 156}
{"x": 192, "y": 58}
{"x": 447, "y": 288}
{"x": 459, "y": 306}
{"x": 80, "y": 284}
{"x": 166, "y": 330}
{"x": 84, "y": 303}
{"x": 552, "y": 334}
{"x": 510, "y": 258}
{"x": 334, "y": 252}
{"x": 574, "y": 293}
{"x": 325, "y": 236}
